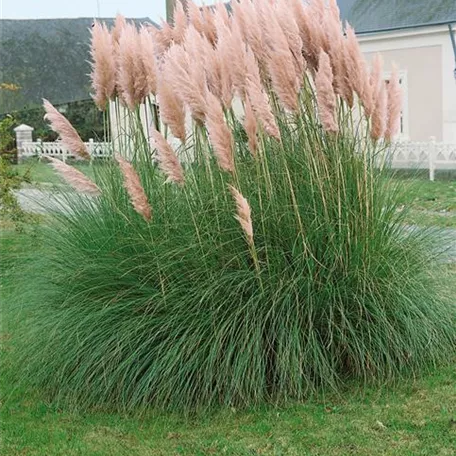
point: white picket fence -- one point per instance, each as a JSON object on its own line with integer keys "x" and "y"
{"x": 430, "y": 155}
{"x": 58, "y": 150}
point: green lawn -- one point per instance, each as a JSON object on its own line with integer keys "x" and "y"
{"x": 415, "y": 418}
{"x": 41, "y": 172}
{"x": 430, "y": 203}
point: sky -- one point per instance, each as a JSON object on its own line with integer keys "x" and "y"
{"x": 38, "y": 9}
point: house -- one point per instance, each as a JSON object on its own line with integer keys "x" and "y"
{"x": 419, "y": 36}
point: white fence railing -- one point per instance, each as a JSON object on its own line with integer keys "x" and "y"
{"x": 430, "y": 155}
{"x": 58, "y": 150}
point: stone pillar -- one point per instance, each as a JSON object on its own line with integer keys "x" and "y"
{"x": 24, "y": 133}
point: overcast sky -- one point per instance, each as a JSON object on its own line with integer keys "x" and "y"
{"x": 38, "y": 9}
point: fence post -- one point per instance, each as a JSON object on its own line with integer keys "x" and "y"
{"x": 432, "y": 149}
{"x": 91, "y": 148}
{"x": 24, "y": 133}
{"x": 39, "y": 148}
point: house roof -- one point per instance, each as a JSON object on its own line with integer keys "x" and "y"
{"x": 378, "y": 15}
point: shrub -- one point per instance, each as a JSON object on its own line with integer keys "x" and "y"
{"x": 268, "y": 269}
{"x": 10, "y": 209}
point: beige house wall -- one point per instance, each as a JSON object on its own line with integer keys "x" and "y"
{"x": 426, "y": 57}
{"x": 421, "y": 70}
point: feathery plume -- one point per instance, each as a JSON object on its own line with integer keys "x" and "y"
{"x": 258, "y": 97}
{"x": 129, "y": 81}
{"x": 180, "y": 23}
{"x": 219, "y": 133}
{"x": 312, "y": 33}
{"x": 379, "y": 116}
{"x": 225, "y": 53}
{"x": 222, "y": 13}
{"x": 334, "y": 8}
{"x": 194, "y": 16}
{"x": 376, "y": 79}
{"x": 66, "y": 131}
{"x": 134, "y": 188}
{"x": 290, "y": 29}
{"x": 210, "y": 30}
{"x": 249, "y": 24}
{"x": 119, "y": 25}
{"x": 244, "y": 216}
{"x": 103, "y": 65}
{"x": 251, "y": 127}
{"x": 172, "y": 111}
{"x": 215, "y": 74}
{"x": 188, "y": 79}
{"x": 394, "y": 105}
{"x": 335, "y": 51}
{"x": 356, "y": 65}
{"x": 75, "y": 178}
{"x": 167, "y": 159}
{"x": 326, "y": 98}
{"x": 149, "y": 65}
{"x": 163, "y": 37}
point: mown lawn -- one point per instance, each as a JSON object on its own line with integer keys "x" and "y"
{"x": 429, "y": 203}
{"x": 41, "y": 172}
{"x": 414, "y": 418}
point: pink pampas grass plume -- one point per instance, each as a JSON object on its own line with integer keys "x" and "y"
{"x": 224, "y": 54}
{"x": 215, "y": 73}
{"x": 185, "y": 69}
{"x": 379, "y": 116}
{"x": 75, "y": 178}
{"x": 258, "y": 97}
{"x": 326, "y": 98}
{"x": 194, "y": 16}
{"x": 231, "y": 50}
{"x": 376, "y": 78}
{"x": 222, "y": 13}
{"x": 134, "y": 188}
{"x": 334, "y": 9}
{"x": 247, "y": 18}
{"x": 167, "y": 159}
{"x": 66, "y": 131}
{"x": 244, "y": 216}
{"x": 311, "y": 31}
{"x": 210, "y": 30}
{"x": 148, "y": 60}
{"x": 103, "y": 65}
{"x": 172, "y": 111}
{"x": 394, "y": 105}
{"x": 119, "y": 24}
{"x": 356, "y": 65}
{"x": 291, "y": 31}
{"x": 219, "y": 134}
{"x": 163, "y": 37}
{"x": 251, "y": 127}
{"x": 130, "y": 80}
{"x": 180, "y": 23}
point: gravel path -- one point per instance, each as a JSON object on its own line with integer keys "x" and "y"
{"x": 39, "y": 201}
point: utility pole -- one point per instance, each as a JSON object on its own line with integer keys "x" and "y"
{"x": 453, "y": 42}
{"x": 170, "y": 6}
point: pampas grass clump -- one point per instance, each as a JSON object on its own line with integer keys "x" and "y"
{"x": 262, "y": 260}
